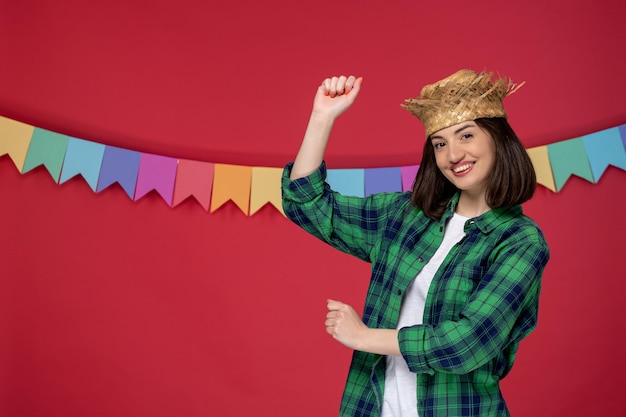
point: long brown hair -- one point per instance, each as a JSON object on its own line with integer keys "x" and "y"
{"x": 512, "y": 181}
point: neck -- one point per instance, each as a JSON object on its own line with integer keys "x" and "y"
{"x": 472, "y": 205}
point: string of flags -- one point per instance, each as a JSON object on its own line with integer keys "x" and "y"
{"x": 251, "y": 188}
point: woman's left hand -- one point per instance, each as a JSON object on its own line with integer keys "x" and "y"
{"x": 344, "y": 324}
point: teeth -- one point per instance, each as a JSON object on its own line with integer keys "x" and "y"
{"x": 462, "y": 168}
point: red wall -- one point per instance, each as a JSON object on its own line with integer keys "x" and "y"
{"x": 110, "y": 307}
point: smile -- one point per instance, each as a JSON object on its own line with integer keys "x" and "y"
{"x": 462, "y": 168}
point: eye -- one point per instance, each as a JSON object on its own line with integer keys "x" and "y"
{"x": 438, "y": 145}
{"x": 466, "y": 136}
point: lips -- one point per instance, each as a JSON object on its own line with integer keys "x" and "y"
{"x": 462, "y": 168}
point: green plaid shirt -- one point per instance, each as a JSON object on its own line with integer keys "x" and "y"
{"x": 481, "y": 303}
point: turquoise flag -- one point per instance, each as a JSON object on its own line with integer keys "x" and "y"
{"x": 347, "y": 181}
{"x": 569, "y": 158}
{"x": 605, "y": 148}
{"x": 84, "y": 158}
{"x": 46, "y": 148}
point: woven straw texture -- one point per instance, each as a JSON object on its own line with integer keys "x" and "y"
{"x": 464, "y": 95}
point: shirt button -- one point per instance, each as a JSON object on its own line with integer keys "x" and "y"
{"x": 420, "y": 259}
{"x": 399, "y": 292}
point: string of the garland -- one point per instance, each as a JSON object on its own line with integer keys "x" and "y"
{"x": 250, "y": 187}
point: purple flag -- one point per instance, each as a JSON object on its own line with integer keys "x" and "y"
{"x": 121, "y": 166}
{"x": 379, "y": 180}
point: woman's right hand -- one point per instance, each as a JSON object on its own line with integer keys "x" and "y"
{"x": 335, "y": 95}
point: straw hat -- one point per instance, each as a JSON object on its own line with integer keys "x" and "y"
{"x": 464, "y": 95}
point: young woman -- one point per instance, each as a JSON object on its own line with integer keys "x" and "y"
{"x": 456, "y": 266}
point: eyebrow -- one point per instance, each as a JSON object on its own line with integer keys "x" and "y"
{"x": 456, "y": 132}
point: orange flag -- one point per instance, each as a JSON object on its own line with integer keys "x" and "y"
{"x": 231, "y": 182}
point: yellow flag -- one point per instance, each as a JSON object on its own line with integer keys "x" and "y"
{"x": 265, "y": 189}
{"x": 14, "y": 140}
{"x": 543, "y": 169}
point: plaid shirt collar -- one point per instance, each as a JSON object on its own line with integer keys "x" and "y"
{"x": 487, "y": 221}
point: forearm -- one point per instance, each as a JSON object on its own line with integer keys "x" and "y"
{"x": 311, "y": 153}
{"x": 344, "y": 324}
{"x": 333, "y": 97}
{"x": 380, "y": 341}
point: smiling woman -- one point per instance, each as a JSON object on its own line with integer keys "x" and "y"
{"x": 481, "y": 156}
{"x": 465, "y": 155}
{"x": 456, "y": 275}
{"x": 504, "y": 176}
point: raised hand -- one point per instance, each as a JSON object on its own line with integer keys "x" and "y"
{"x": 335, "y": 95}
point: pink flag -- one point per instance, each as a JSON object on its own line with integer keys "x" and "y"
{"x": 156, "y": 173}
{"x": 194, "y": 178}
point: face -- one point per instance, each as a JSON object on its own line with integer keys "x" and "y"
{"x": 465, "y": 154}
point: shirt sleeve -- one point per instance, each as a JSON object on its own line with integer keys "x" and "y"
{"x": 502, "y": 310}
{"x": 353, "y": 225}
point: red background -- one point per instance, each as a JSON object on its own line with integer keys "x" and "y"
{"x": 110, "y": 307}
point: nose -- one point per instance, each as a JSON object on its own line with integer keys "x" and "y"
{"x": 455, "y": 152}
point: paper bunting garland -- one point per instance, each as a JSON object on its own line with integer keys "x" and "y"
{"x": 251, "y": 188}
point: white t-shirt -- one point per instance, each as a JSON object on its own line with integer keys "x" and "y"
{"x": 400, "y": 382}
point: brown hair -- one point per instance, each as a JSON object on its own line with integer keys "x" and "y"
{"x": 512, "y": 181}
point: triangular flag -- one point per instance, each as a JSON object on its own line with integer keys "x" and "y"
{"x": 605, "y": 148}
{"x": 543, "y": 169}
{"x": 194, "y": 178}
{"x": 622, "y": 133}
{"x": 347, "y": 181}
{"x": 380, "y": 180}
{"x": 47, "y": 148}
{"x": 266, "y": 188}
{"x": 157, "y": 173}
{"x": 569, "y": 158}
{"x": 121, "y": 166}
{"x": 14, "y": 140}
{"x": 84, "y": 158}
{"x": 231, "y": 182}
{"x": 408, "y": 176}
